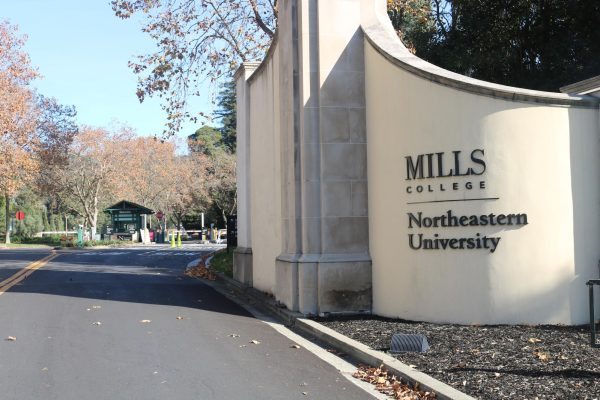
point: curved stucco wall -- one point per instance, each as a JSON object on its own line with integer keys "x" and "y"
{"x": 541, "y": 155}
{"x": 265, "y": 172}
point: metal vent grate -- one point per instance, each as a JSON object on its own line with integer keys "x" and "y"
{"x": 409, "y": 342}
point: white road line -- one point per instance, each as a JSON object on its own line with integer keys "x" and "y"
{"x": 345, "y": 368}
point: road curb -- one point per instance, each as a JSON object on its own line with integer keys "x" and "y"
{"x": 369, "y": 356}
{"x": 360, "y": 352}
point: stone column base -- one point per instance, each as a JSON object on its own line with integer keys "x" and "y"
{"x": 242, "y": 265}
{"x": 314, "y": 285}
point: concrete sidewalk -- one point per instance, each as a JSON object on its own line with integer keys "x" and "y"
{"x": 248, "y": 296}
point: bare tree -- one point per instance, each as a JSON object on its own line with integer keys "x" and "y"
{"x": 196, "y": 39}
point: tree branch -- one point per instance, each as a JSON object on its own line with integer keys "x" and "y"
{"x": 259, "y": 21}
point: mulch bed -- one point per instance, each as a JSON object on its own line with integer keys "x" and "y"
{"x": 492, "y": 362}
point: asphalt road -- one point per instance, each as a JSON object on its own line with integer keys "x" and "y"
{"x": 127, "y": 324}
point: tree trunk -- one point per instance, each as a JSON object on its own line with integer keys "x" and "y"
{"x": 94, "y": 223}
{"x": 95, "y": 217}
{"x": 7, "y": 217}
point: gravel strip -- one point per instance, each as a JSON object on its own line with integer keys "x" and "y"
{"x": 492, "y": 362}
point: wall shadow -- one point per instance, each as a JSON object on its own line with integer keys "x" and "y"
{"x": 130, "y": 282}
{"x": 584, "y": 152}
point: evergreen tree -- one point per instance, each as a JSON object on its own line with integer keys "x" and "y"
{"x": 206, "y": 140}
{"x": 27, "y": 202}
{"x": 226, "y": 115}
{"x": 2, "y": 217}
{"x": 535, "y": 44}
{"x": 56, "y": 222}
{"x": 45, "y": 218}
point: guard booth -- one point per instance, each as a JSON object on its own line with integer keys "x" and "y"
{"x": 128, "y": 222}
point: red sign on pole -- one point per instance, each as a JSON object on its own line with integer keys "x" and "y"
{"x": 20, "y": 215}
{"x": 160, "y": 215}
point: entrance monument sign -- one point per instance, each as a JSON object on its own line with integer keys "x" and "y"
{"x": 371, "y": 180}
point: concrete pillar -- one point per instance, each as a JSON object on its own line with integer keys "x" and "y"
{"x": 242, "y": 260}
{"x": 325, "y": 264}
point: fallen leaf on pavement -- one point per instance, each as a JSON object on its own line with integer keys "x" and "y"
{"x": 254, "y": 341}
{"x": 11, "y": 338}
{"x": 200, "y": 270}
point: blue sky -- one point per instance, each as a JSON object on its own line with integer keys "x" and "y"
{"x": 82, "y": 51}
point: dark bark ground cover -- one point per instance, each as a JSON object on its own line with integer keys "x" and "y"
{"x": 492, "y": 362}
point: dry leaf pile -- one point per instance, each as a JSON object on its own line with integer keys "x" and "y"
{"x": 390, "y": 385}
{"x": 201, "y": 271}
{"x": 492, "y": 362}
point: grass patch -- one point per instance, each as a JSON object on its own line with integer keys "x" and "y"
{"x": 17, "y": 245}
{"x": 55, "y": 241}
{"x": 223, "y": 262}
{"x": 18, "y": 241}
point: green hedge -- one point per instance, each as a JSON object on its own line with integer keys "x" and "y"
{"x": 52, "y": 240}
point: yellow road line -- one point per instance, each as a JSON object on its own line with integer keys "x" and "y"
{"x": 25, "y": 272}
{"x": 33, "y": 265}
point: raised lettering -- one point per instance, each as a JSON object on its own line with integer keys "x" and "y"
{"x": 440, "y": 162}
{"x": 416, "y": 220}
{"x": 477, "y": 158}
{"x": 414, "y": 171}
{"x": 521, "y": 219}
{"x": 410, "y": 241}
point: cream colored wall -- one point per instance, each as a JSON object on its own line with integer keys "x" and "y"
{"x": 541, "y": 149}
{"x": 542, "y": 160}
{"x": 265, "y": 173}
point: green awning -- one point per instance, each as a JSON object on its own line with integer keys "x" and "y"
{"x": 124, "y": 205}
